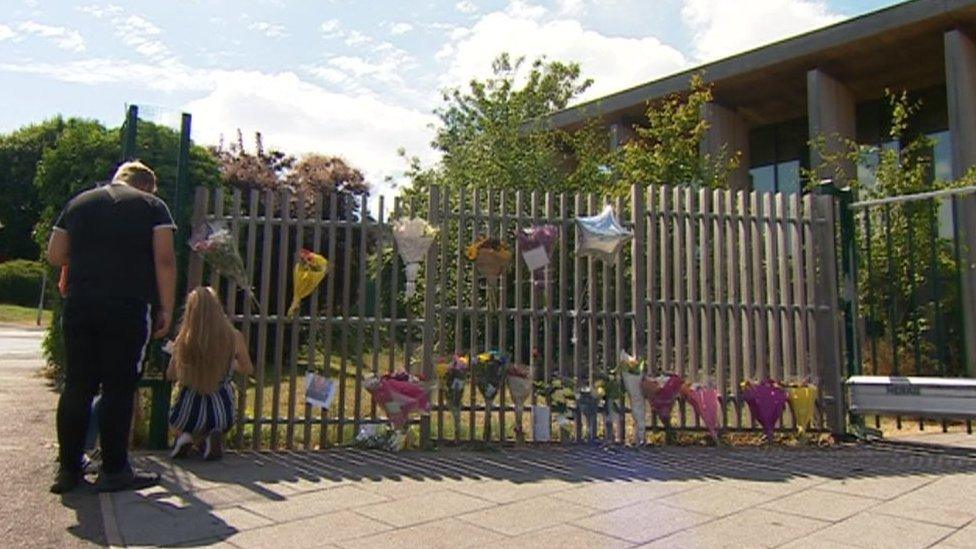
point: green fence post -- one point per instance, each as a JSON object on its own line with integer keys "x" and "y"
{"x": 129, "y": 133}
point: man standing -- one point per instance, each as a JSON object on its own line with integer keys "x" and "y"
{"x": 119, "y": 242}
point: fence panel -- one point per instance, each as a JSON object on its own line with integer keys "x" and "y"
{"x": 723, "y": 286}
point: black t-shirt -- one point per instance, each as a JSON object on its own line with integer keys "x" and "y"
{"x": 111, "y": 234}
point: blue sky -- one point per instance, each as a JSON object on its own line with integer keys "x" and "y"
{"x": 358, "y": 79}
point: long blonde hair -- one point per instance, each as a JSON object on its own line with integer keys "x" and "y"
{"x": 205, "y": 345}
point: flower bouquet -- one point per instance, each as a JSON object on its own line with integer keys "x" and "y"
{"x": 400, "y": 394}
{"x": 703, "y": 398}
{"x": 454, "y": 377}
{"x": 519, "y": 380}
{"x": 631, "y": 373}
{"x": 536, "y": 244}
{"x": 661, "y": 392}
{"x": 802, "y": 398}
{"x": 216, "y": 245}
{"x": 491, "y": 257}
{"x": 488, "y": 371}
{"x": 559, "y": 392}
{"x": 380, "y": 437}
{"x": 766, "y": 401}
{"x": 309, "y": 271}
{"x": 413, "y": 238}
{"x": 610, "y": 393}
{"x": 588, "y": 405}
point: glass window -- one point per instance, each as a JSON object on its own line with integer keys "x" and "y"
{"x": 777, "y": 154}
{"x": 763, "y": 178}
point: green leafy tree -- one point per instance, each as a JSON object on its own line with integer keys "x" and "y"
{"x": 907, "y": 267}
{"x": 667, "y": 149}
{"x": 20, "y": 208}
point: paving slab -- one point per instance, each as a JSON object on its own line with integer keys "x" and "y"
{"x": 440, "y": 534}
{"x": 643, "y": 522}
{"x": 563, "y": 537}
{"x": 749, "y": 528}
{"x": 423, "y": 508}
{"x": 822, "y": 504}
{"x": 527, "y": 515}
{"x": 313, "y": 503}
{"x": 616, "y": 494}
{"x": 316, "y": 531}
{"x": 881, "y": 531}
{"x": 716, "y": 499}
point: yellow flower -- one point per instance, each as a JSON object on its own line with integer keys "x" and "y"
{"x": 442, "y": 368}
{"x": 484, "y": 357}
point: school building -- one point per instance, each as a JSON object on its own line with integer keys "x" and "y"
{"x": 770, "y": 102}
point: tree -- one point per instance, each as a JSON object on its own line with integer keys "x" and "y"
{"x": 489, "y": 136}
{"x": 900, "y": 247}
{"x": 20, "y": 208}
{"x": 667, "y": 150}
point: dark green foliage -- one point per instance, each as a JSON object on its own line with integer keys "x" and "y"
{"x": 20, "y": 282}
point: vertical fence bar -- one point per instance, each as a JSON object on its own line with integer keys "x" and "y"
{"x": 262, "y": 362}
{"x": 254, "y": 205}
{"x": 667, "y": 307}
{"x": 720, "y": 299}
{"x": 282, "y": 279}
{"x": 430, "y": 295}
{"x": 347, "y": 223}
{"x": 737, "y": 313}
{"x": 680, "y": 310}
{"x": 518, "y": 321}
{"x": 761, "y": 332}
{"x": 459, "y": 292}
{"x": 810, "y": 237}
{"x": 786, "y": 324}
{"x": 827, "y": 313}
{"x": 313, "y": 313}
{"x": 772, "y": 289}
{"x": 295, "y": 327}
{"x": 502, "y": 312}
{"x": 443, "y": 208}
{"x": 641, "y": 337}
{"x": 578, "y": 309}
{"x": 798, "y": 312}
{"x": 547, "y": 360}
{"x": 473, "y": 313}
{"x": 361, "y": 307}
{"x": 230, "y": 303}
{"x": 377, "y": 313}
{"x": 330, "y": 283}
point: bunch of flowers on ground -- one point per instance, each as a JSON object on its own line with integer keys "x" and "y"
{"x": 401, "y": 395}
{"x": 454, "y": 375}
{"x": 488, "y": 371}
{"x": 560, "y": 394}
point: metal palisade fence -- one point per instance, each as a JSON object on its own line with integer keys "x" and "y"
{"x": 715, "y": 285}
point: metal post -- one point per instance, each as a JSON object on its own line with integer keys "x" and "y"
{"x": 430, "y": 296}
{"x": 848, "y": 250}
{"x": 129, "y": 133}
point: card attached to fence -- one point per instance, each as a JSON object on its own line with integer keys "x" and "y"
{"x": 319, "y": 390}
{"x": 536, "y": 258}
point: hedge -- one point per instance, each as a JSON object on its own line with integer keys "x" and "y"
{"x": 20, "y": 282}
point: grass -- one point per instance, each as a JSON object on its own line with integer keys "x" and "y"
{"x": 22, "y": 316}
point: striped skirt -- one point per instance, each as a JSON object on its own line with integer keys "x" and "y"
{"x": 203, "y": 414}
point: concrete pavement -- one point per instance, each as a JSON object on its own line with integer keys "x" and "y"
{"x": 32, "y": 517}
{"x": 854, "y": 496}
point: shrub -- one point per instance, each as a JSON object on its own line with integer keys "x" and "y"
{"x": 20, "y": 282}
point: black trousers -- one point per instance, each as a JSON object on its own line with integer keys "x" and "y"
{"x": 105, "y": 343}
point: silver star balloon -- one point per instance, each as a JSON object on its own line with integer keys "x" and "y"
{"x": 602, "y": 235}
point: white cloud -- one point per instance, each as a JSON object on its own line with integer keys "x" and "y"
{"x": 400, "y": 28}
{"x": 64, "y": 38}
{"x": 573, "y": 8}
{"x": 101, "y": 11}
{"x": 613, "y": 62}
{"x": 356, "y": 38}
{"x": 271, "y": 30}
{"x": 6, "y": 32}
{"x": 300, "y": 117}
{"x": 163, "y": 76}
{"x": 329, "y": 26}
{"x": 524, "y": 10}
{"x": 722, "y": 28}
{"x": 466, "y": 7}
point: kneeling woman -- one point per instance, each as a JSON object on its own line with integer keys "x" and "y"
{"x": 206, "y": 353}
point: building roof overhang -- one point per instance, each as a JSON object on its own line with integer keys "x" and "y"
{"x": 896, "y": 47}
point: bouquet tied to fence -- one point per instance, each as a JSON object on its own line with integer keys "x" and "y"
{"x": 519, "y": 380}
{"x": 766, "y": 401}
{"x": 559, "y": 392}
{"x": 661, "y": 392}
{"x": 413, "y": 238}
{"x": 536, "y": 244}
{"x": 491, "y": 256}
{"x": 802, "y": 395}
{"x": 631, "y": 373}
{"x": 704, "y": 400}
{"x": 610, "y": 396}
{"x": 218, "y": 248}
{"x": 488, "y": 370}
{"x": 588, "y": 406}
{"x": 310, "y": 269}
{"x": 400, "y": 395}
{"x": 454, "y": 375}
